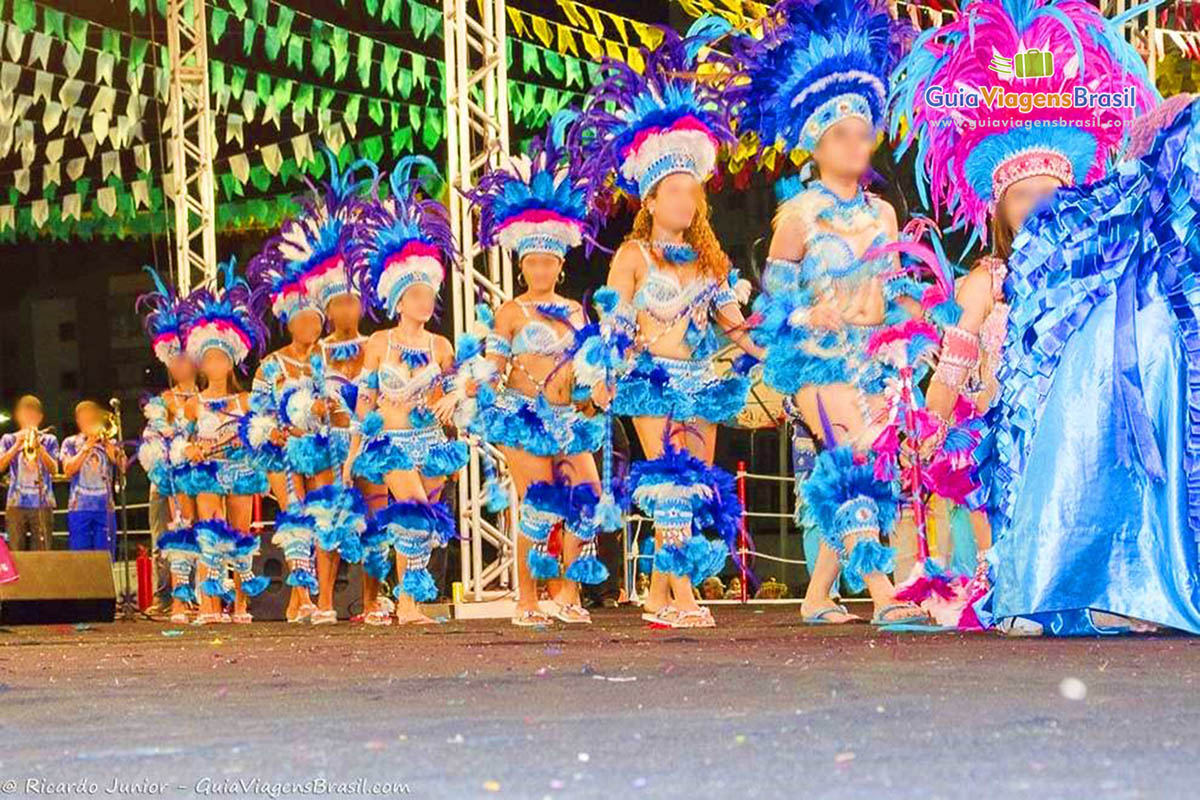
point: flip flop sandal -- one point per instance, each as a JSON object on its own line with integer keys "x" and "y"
{"x": 573, "y": 614}
{"x": 207, "y": 619}
{"x": 665, "y": 617}
{"x": 921, "y": 620}
{"x": 820, "y": 618}
{"x": 531, "y": 619}
{"x": 703, "y": 617}
{"x": 244, "y": 618}
{"x": 179, "y": 619}
{"x": 418, "y": 621}
{"x": 323, "y": 617}
{"x": 304, "y": 613}
{"x": 378, "y": 619}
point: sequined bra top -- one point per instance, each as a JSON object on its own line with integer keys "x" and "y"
{"x": 668, "y": 302}
{"x": 407, "y": 373}
{"x": 831, "y": 224}
{"x": 540, "y": 338}
{"x": 216, "y": 422}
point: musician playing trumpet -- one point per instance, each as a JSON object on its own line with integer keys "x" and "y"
{"x": 31, "y": 457}
{"x": 89, "y": 459}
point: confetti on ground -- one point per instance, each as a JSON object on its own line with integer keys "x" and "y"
{"x": 173, "y": 632}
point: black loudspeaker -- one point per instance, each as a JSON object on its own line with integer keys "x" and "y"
{"x": 59, "y": 587}
{"x": 271, "y": 605}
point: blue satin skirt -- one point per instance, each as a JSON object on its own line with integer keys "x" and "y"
{"x": 1087, "y": 532}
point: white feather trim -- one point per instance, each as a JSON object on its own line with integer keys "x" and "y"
{"x": 166, "y": 350}
{"x": 155, "y": 410}
{"x": 206, "y": 336}
{"x": 152, "y": 452}
{"x": 694, "y": 143}
{"x": 660, "y": 492}
{"x": 511, "y": 235}
{"x": 430, "y": 269}
{"x": 178, "y": 451}
{"x": 300, "y": 408}
{"x": 260, "y": 429}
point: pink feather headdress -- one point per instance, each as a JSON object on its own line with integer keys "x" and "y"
{"x": 1012, "y": 89}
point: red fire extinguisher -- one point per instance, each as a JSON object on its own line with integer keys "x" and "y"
{"x": 145, "y": 579}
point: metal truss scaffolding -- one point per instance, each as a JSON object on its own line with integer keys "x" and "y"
{"x": 190, "y": 184}
{"x": 477, "y": 138}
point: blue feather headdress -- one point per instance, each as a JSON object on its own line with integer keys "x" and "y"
{"x": 818, "y": 62}
{"x": 664, "y": 120}
{"x": 303, "y": 266}
{"x": 222, "y": 318}
{"x": 164, "y": 318}
{"x": 402, "y": 240}
{"x": 539, "y": 203}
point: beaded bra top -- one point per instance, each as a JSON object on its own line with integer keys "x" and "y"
{"x": 831, "y": 225}
{"x": 668, "y": 302}
{"x": 215, "y": 422}
{"x": 411, "y": 376}
{"x": 537, "y": 337}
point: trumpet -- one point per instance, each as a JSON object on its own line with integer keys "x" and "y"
{"x": 33, "y": 440}
{"x": 109, "y": 427}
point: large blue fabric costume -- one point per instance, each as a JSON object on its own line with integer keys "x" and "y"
{"x": 1097, "y": 492}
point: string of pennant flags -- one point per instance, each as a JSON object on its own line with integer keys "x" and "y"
{"x": 337, "y": 111}
{"x": 71, "y": 123}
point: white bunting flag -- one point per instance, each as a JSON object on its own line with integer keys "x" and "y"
{"x": 75, "y": 167}
{"x": 106, "y": 198}
{"x": 72, "y": 207}
{"x": 272, "y": 158}
{"x": 140, "y": 190}
{"x": 40, "y": 212}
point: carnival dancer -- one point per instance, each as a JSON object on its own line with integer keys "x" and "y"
{"x": 343, "y": 353}
{"x": 817, "y": 81}
{"x": 400, "y": 250}
{"x": 659, "y": 146}
{"x": 220, "y": 330}
{"x": 299, "y": 271}
{"x": 165, "y": 437}
{"x": 536, "y": 208}
{"x": 988, "y": 168}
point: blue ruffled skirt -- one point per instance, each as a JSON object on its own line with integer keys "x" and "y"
{"x": 683, "y": 389}
{"x": 308, "y": 455}
{"x": 234, "y": 476}
{"x": 798, "y": 355}
{"x": 426, "y": 450}
{"x": 538, "y": 426}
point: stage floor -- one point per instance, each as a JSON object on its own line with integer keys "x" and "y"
{"x": 760, "y": 707}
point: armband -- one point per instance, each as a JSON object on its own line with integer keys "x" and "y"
{"x": 497, "y": 345}
{"x": 958, "y": 359}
